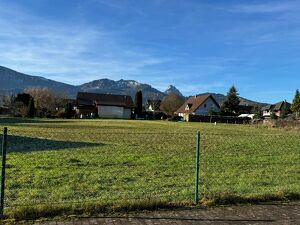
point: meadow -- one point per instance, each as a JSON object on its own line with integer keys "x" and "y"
{"x": 59, "y": 167}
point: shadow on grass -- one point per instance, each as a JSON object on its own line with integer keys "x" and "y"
{"x": 12, "y": 120}
{"x": 29, "y": 144}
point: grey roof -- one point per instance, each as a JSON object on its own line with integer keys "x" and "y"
{"x": 277, "y": 106}
{"x": 267, "y": 107}
{"x": 86, "y": 98}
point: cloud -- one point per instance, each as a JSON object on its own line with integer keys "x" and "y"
{"x": 66, "y": 52}
{"x": 123, "y": 7}
{"x": 271, "y": 7}
{"x": 77, "y": 52}
{"x": 276, "y": 24}
{"x": 201, "y": 87}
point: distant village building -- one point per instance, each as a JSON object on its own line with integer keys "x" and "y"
{"x": 245, "y": 115}
{"x": 152, "y": 110}
{"x": 198, "y": 105}
{"x": 153, "y": 105}
{"x": 90, "y": 105}
{"x": 278, "y": 109}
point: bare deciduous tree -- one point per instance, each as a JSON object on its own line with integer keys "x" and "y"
{"x": 46, "y": 102}
{"x": 171, "y": 103}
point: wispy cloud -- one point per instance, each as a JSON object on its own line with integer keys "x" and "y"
{"x": 271, "y": 7}
{"x": 277, "y": 23}
{"x": 201, "y": 87}
{"x": 35, "y": 46}
{"x": 205, "y": 74}
{"x": 47, "y": 48}
{"x": 124, "y": 7}
{"x": 196, "y": 46}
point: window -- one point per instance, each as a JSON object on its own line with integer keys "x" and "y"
{"x": 204, "y": 105}
{"x": 188, "y": 106}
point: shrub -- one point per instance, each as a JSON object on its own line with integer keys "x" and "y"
{"x": 274, "y": 116}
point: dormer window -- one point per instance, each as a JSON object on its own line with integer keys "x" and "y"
{"x": 188, "y": 106}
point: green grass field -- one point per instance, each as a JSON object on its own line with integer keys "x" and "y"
{"x": 87, "y": 166}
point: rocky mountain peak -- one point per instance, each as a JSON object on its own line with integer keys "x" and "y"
{"x": 172, "y": 89}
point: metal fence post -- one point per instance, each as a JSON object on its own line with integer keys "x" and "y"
{"x": 4, "y": 144}
{"x": 197, "y": 168}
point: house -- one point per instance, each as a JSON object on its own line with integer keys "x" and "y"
{"x": 90, "y": 105}
{"x": 153, "y": 105}
{"x": 278, "y": 109}
{"x": 152, "y": 110}
{"x": 245, "y": 115}
{"x": 198, "y": 105}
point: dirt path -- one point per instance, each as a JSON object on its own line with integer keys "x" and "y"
{"x": 277, "y": 213}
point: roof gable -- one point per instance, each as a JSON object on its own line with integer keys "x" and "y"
{"x": 277, "y": 106}
{"x": 193, "y": 103}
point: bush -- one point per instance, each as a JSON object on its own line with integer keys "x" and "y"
{"x": 274, "y": 116}
{"x": 175, "y": 118}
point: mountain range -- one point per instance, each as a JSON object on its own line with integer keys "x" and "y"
{"x": 12, "y": 82}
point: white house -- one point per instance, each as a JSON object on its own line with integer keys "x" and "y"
{"x": 153, "y": 105}
{"x": 104, "y": 105}
{"x": 198, "y": 105}
{"x": 278, "y": 109}
{"x": 251, "y": 116}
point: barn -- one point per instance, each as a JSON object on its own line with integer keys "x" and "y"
{"x": 90, "y": 105}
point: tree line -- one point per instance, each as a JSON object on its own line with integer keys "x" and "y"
{"x": 42, "y": 102}
{"x": 231, "y": 106}
{"x": 168, "y": 105}
{"x": 39, "y": 102}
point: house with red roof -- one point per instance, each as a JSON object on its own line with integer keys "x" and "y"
{"x": 201, "y": 105}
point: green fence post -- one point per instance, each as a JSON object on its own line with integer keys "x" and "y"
{"x": 4, "y": 143}
{"x": 197, "y": 168}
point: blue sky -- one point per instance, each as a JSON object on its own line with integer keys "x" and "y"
{"x": 196, "y": 45}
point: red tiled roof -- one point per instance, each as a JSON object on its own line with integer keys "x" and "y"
{"x": 194, "y": 103}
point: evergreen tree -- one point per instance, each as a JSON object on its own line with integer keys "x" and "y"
{"x": 69, "y": 112}
{"x": 138, "y": 103}
{"x": 24, "y": 98}
{"x": 295, "y": 107}
{"x": 30, "y": 109}
{"x": 231, "y": 105}
{"x": 257, "y": 110}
